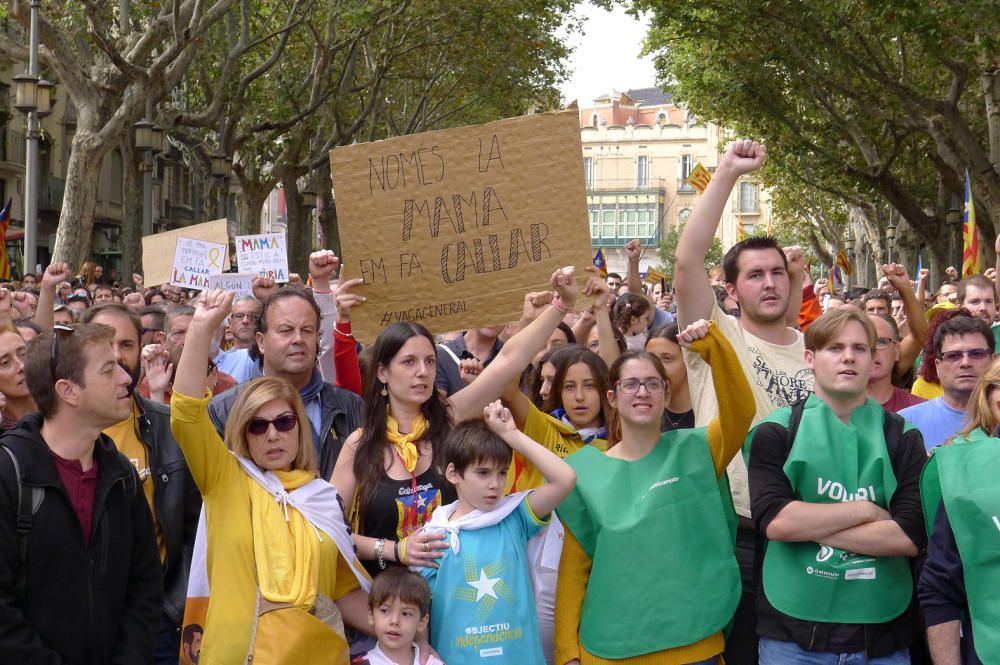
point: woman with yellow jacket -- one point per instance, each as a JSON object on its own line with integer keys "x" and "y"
{"x": 648, "y": 573}
{"x": 280, "y": 562}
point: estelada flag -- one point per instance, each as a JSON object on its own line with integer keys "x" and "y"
{"x": 844, "y": 264}
{"x": 4, "y": 224}
{"x": 970, "y": 237}
{"x": 600, "y": 262}
{"x": 740, "y": 231}
{"x": 699, "y": 177}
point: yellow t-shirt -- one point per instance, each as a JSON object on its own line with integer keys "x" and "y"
{"x": 232, "y": 569}
{"x": 551, "y": 433}
{"x": 125, "y": 436}
{"x": 926, "y": 389}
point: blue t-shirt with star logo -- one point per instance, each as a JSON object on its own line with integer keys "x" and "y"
{"x": 482, "y": 601}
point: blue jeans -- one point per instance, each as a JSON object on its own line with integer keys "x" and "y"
{"x": 773, "y": 652}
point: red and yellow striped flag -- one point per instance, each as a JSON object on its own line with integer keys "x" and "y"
{"x": 4, "y": 224}
{"x": 699, "y": 177}
{"x": 970, "y": 237}
{"x": 740, "y": 231}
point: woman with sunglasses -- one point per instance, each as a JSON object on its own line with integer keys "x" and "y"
{"x": 648, "y": 573}
{"x": 390, "y": 471}
{"x": 280, "y": 564}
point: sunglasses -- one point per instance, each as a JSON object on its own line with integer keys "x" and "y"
{"x": 54, "y": 356}
{"x": 285, "y": 423}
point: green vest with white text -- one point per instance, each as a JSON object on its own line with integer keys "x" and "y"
{"x": 968, "y": 470}
{"x": 830, "y": 462}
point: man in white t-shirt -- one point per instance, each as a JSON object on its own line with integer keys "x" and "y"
{"x": 767, "y": 283}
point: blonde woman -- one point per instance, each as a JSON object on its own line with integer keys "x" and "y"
{"x": 279, "y": 559}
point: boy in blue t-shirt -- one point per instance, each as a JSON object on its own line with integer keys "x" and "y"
{"x": 483, "y": 605}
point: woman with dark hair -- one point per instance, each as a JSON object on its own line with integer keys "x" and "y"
{"x": 667, "y": 535}
{"x": 389, "y": 472}
{"x": 678, "y": 413}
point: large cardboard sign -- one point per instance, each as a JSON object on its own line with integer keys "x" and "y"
{"x": 451, "y": 228}
{"x": 158, "y": 249}
{"x": 264, "y": 254}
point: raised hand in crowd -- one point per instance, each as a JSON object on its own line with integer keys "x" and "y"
{"x": 912, "y": 342}
{"x": 159, "y": 370}
{"x": 323, "y": 267}
{"x": 469, "y": 369}
{"x": 6, "y": 306}
{"x": 55, "y": 275}
{"x": 598, "y": 288}
{"x": 633, "y": 251}
{"x": 211, "y": 309}
{"x": 137, "y": 279}
{"x": 347, "y": 299}
{"x": 134, "y": 301}
{"x": 295, "y": 279}
{"x": 23, "y": 303}
{"x": 990, "y": 274}
{"x": 535, "y": 303}
{"x": 695, "y": 331}
{"x": 820, "y": 286}
{"x": 264, "y": 287}
{"x": 952, "y": 273}
{"x": 796, "y": 267}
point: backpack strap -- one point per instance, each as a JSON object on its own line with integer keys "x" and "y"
{"x": 25, "y": 513}
{"x": 793, "y": 421}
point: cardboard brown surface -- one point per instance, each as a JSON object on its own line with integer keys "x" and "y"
{"x": 158, "y": 249}
{"x": 411, "y": 208}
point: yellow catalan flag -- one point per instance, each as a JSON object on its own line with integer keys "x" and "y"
{"x": 699, "y": 177}
{"x": 970, "y": 236}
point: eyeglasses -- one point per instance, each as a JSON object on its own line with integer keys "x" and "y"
{"x": 631, "y": 386}
{"x": 54, "y": 356}
{"x": 973, "y": 354}
{"x": 883, "y": 343}
{"x": 285, "y": 423}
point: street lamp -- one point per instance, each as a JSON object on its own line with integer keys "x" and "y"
{"x": 44, "y": 97}
{"x": 26, "y": 100}
{"x": 149, "y": 141}
{"x": 222, "y": 168}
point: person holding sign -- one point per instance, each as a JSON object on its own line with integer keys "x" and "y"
{"x": 653, "y": 517}
{"x": 390, "y": 471}
{"x": 281, "y": 566}
{"x": 834, "y": 485}
{"x": 960, "y": 495}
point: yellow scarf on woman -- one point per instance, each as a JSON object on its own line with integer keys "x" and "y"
{"x": 285, "y": 544}
{"x": 405, "y": 444}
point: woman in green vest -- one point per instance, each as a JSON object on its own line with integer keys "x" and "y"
{"x": 961, "y": 498}
{"x": 647, "y": 574}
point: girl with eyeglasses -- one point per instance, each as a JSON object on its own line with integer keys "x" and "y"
{"x": 277, "y": 555}
{"x": 652, "y": 519}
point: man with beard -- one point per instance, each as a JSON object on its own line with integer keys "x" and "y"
{"x": 963, "y": 348}
{"x": 767, "y": 285}
{"x": 144, "y": 437}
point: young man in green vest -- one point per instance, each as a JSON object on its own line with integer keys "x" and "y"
{"x": 834, "y": 489}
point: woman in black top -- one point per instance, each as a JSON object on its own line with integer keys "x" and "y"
{"x": 678, "y": 413}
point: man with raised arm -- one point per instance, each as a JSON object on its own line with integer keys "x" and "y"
{"x": 762, "y": 279}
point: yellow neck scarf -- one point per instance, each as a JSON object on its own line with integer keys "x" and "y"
{"x": 405, "y": 444}
{"x": 286, "y": 551}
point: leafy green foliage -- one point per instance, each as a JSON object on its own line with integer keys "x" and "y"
{"x": 668, "y": 250}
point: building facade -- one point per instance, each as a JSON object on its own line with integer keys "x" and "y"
{"x": 639, "y": 147}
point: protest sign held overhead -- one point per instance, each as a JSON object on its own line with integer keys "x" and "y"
{"x": 158, "y": 249}
{"x": 265, "y": 254}
{"x": 194, "y": 261}
{"x": 451, "y": 228}
{"x": 239, "y": 283}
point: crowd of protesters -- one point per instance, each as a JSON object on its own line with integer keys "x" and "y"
{"x": 742, "y": 465}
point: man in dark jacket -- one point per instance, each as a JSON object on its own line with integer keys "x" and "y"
{"x": 80, "y": 579}
{"x": 834, "y": 486}
{"x": 144, "y": 437}
{"x": 288, "y": 339}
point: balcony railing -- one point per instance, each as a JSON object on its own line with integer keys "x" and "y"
{"x": 12, "y": 147}
{"x": 50, "y": 194}
{"x": 626, "y": 185}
